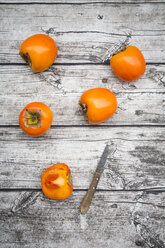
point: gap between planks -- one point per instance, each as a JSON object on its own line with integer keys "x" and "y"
{"x": 147, "y": 190}
{"x": 77, "y": 64}
{"x": 93, "y": 126}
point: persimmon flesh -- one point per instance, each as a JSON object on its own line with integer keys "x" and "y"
{"x": 57, "y": 182}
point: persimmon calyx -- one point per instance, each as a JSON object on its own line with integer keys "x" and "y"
{"x": 83, "y": 106}
{"x": 70, "y": 179}
{"x": 32, "y": 118}
{"x": 26, "y": 58}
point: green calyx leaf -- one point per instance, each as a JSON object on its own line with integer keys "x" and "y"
{"x": 33, "y": 118}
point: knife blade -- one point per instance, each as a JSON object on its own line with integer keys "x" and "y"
{"x": 85, "y": 204}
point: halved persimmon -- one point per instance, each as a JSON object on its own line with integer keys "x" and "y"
{"x": 57, "y": 182}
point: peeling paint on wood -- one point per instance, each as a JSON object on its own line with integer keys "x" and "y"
{"x": 23, "y": 201}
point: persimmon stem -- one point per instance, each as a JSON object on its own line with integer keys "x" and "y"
{"x": 26, "y": 58}
{"x": 70, "y": 180}
{"x": 83, "y": 106}
{"x": 119, "y": 50}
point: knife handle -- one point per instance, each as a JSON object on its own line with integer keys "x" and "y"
{"x": 85, "y": 204}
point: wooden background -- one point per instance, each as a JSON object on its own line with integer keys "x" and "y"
{"x": 128, "y": 209}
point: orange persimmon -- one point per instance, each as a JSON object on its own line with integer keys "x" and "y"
{"x": 57, "y": 182}
{"x": 99, "y": 104}
{"x": 39, "y": 51}
{"x": 129, "y": 64}
{"x": 35, "y": 119}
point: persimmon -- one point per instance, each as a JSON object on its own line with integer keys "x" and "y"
{"x": 35, "y": 119}
{"x": 98, "y": 104}
{"x": 39, "y": 51}
{"x": 129, "y": 64}
{"x": 57, "y": 182}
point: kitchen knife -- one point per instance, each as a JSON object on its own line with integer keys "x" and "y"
{"x": 85, "y": 204}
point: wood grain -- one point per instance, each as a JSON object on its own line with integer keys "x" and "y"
{"x": 100, "y": 28}
{"x": 116, "y": 219}
{"x": 140, "y": 102}
{"x": 137, "y": 163}
{"x": 128, "y": 208}
{"x": 79, "y": 1}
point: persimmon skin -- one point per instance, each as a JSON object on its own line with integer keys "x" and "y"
{"x": 100, "y": 104}
{"x": 41, "y": 125}
{"x": 39, "y": 51}
{"x": 57, "y": 182}
{"x": 128, "y": 65}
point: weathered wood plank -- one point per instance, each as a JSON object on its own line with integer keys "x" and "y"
{"x": 84, "y": 32}
{"x": 115, "y": 219}
{"x": 81, "y": 1}
{"x": 60, "y": 87}
{"x": 137, "y": 160}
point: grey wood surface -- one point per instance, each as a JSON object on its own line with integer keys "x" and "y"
{"x": 100, "y": 28}
{"x": 115, "y": 219}
{"x": 80, "y": 1}
{"x": 136, "y": 160}
{"x": 61, "y": 87}
{"x": 128, "y": 208}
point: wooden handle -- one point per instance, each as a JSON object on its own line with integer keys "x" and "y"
{"x": 85, "y": 204}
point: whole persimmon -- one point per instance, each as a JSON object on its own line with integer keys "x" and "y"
{"x": 35, "y": 119}
{"x": 39, "y": 51}
{"x": 129, "y": 64}
{"x": 57, "y": 182}
{"x": 98, "y": 104}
